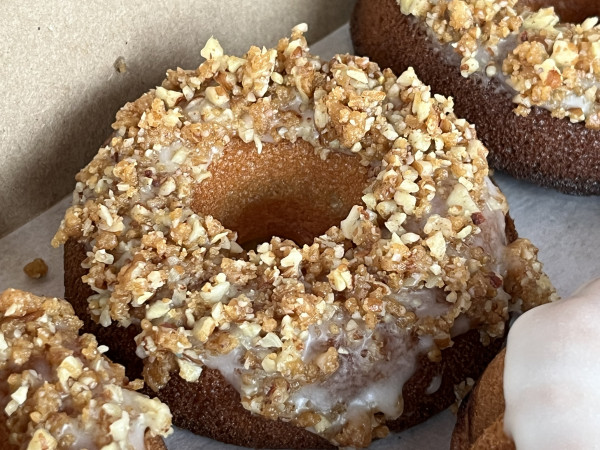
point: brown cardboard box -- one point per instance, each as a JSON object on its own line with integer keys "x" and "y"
{"x": 61, "y": 87}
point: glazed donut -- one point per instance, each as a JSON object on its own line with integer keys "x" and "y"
{"x": 57, "y": 390}
{"x": 541, "y": 392}
{"x": 524, "y": 74}
{"x": 303, "y": 253}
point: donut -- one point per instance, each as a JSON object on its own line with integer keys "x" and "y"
{"x": 296, "y": 253}
{"x": 524, "y": 72}
{"x": 540, "y": 392}
{"x": 58, "y": 390}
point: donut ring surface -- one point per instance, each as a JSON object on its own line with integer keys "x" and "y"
{"x": 524, "y": 74}
{"x": 311, "y": 230}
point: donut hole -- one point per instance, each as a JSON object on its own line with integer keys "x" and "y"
{"x": 572, "y": 11}
{"x": 287, "y": 191}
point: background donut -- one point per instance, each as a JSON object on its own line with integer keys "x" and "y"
{"x": 551, "y": 152}
{"x": 57, "y": 390}
{"x": 539, "y": 392}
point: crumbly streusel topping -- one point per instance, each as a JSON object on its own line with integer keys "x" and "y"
{"x": 57, "y": 390}
{"x": 549, "y": 64}
{"x": 323, "y": 335}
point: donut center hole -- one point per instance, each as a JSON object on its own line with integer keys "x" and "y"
{"x": 572, "y": 11}
{"x": 286, "y": 191}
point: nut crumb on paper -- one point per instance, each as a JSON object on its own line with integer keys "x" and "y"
{"x": 120, "y": 65}
{"x": 36, "y": 268}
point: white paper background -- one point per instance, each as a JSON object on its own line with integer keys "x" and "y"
{"x": 565, "y": 228}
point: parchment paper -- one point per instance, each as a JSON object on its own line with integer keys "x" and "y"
{"x": 565, "y": 228}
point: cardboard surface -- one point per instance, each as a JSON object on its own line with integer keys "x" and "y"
{"x": 61, "y": 89}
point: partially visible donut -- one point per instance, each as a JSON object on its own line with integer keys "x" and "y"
{"x": 312, "y": 242}
{"x": 531, "y": 92}
{"x": 57, "y": 390}
{"x": 541, "y": 392}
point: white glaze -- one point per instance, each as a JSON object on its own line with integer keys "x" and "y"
{"x": 361, "y": 387}
{"x": 230, "y": 365}
{"x": 551, "y": 375}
